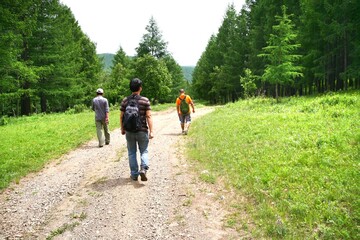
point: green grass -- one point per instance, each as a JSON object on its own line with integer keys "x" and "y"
{"x": 296, "y": 161}
{"x": 161, "y": 107}
{"x": 65, "y": 227}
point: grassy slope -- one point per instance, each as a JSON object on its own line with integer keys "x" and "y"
{"x": 107, "y": 59}
{"x": 187, "y": 71}
{"x": 297, "y": 162}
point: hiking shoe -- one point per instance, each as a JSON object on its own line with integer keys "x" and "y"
{"x": 186, "y": 132}
{"x": 143, "y": 175}
{"x": 135, "y": 178}
{"x": 107, "y": 143}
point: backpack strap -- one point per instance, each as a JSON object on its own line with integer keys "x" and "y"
{"x": 183, "y": 98}
{"x": 133, "y": 96}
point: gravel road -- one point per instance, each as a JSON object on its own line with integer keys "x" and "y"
{"x": 88, "y": 194}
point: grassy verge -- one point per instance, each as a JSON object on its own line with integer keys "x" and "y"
{"x": 27, "y": 143}
{"x": 296, "y": 161}
{"x": 161, "y": 107}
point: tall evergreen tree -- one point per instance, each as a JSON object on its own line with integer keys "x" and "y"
{"x": 121, "y": 72}
{"x": 121, "y": 57}
{"x": 49, "y": 63}
{"x": 312, "y": 46}
{"x": 228, "y": 72}
{"x": 224, "y": 59}
{"x": 177, "y": 77}
{"x": 15, "y": 19}
{"x": 202, "y": 84}
{"x": 156, "y": 77}
{"x": 50, "y": 53}
{"x": 280, "y": 52}
{"x": 89, "y": 72}
{"x": 152, "y": 42}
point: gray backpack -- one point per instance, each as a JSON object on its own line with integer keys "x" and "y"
{"x": 131, "y": 118}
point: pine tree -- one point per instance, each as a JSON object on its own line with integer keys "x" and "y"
{"x": 152, "y": 42}
{"x": 281, "y": 69}
{"x": 122, "y": 58}
{"x": 229, "y": 43}
{"x": 202, "y": 84}
{"x": 156, "y": 77}
{"x": 177, "y": 77}
{"x": 121, "y": 72}
{"x": 248, "y": 83}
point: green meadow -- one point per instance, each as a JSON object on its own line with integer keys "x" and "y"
{"x": 27, "y": 143}
{"x": 297, "y": 163}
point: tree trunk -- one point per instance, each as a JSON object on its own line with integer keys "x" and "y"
{"x": 25, "y": 101}
{"x": 345, "y": 62}
{"x": 25, "y": 104}
{"x": 43, "y": 102}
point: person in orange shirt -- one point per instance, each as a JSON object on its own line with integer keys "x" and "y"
{"x": 183, "y": 103}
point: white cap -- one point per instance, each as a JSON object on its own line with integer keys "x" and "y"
{"x": 100, "y": 90}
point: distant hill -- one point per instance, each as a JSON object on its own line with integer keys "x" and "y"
{"x": 108, "y": 57}
{"x": 188, "y": 70}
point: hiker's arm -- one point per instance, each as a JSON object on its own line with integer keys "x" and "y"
{"x": 193, "y": 106}
{"x": 107, "y": 117}
{"x": 150, "y": 123}
{"x": 107, "y": 110}
{"x": 121, "y": 123}
{"x": 178, "y": 109}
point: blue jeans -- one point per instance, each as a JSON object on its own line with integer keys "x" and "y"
{"x": 142, "y": 140}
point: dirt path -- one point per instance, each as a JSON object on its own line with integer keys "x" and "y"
{"x": 87, "y": 194}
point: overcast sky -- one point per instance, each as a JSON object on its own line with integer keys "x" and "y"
{"x": 185, "y": 24}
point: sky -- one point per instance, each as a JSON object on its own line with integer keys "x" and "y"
{"x": 186, "y": 25}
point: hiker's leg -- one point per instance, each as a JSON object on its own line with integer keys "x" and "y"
{"x": 188, "y": 122}
{"x": 131, "y": 146}
{"x": 106, "y": 133}
{"x": 182, "y": 121}
{"x": 99, "y": 133}
{"x": 143, "y": 141}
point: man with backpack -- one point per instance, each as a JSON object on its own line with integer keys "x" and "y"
{"x": 136, "y": 124}
{"x": 183, "y": 110}
{"x": 100, "y": 106}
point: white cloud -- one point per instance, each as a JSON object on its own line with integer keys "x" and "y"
{"x": 185, "y": 24}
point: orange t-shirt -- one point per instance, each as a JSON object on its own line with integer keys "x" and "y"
{"x": 188, "y": 100}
